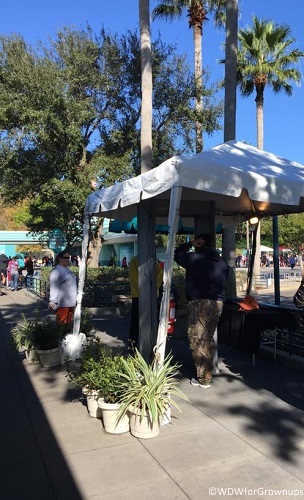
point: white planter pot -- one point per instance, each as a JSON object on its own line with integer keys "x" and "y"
{"x": 109, "y": 418}
{"x": 31, "y": 356}
{"x": 92, "y": 402}
{"x": 142, "y": 428}
{"x": 49, "y": 357}
{"x": 72, "y": 347}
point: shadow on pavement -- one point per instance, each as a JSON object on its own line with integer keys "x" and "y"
{"x": 31, "y": 462}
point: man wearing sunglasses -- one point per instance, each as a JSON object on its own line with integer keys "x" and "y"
{"x": 63, "y": 289}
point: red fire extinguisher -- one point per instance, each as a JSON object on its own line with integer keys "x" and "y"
{"x": 171, "y": 319}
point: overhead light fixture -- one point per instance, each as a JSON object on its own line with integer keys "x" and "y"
{"x": 253, "y": 220}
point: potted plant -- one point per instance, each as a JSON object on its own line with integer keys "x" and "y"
{"x": 47, "y": 334}
{"x": 86, "y": 324}
{"x": 22, "y": 334}
{"x": 86, "y": 375}
{"x": 111, "y": 387}
{"x": 148, "y": 391}
{"x": 99, "y": 376}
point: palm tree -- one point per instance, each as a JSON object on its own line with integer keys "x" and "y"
{"x": 228, "y": 241}
{"x": 146, "y": 212}
{"x": 265, "y": 59}
{"x": 146, "y": 86}
{"x": 230, "y": 69}
{"x": 197, "y": 11}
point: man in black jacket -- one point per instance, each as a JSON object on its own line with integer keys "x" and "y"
{"x": 206, "y": 275}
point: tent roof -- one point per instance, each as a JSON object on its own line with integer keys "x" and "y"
{"x": 237, "y": 177}
{"x": 264, "y": 248}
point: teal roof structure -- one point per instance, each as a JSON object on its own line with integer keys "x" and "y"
{"x": 20, "y": 237}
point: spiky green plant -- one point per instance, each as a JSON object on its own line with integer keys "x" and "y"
{"x": 149, "y": 387}
{"x": 22, "y": 333}
{"x": 38, "y": 333}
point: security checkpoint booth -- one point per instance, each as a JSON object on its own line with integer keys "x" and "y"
{"x": 224, "y": 185}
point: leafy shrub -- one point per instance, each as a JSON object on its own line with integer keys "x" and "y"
{"x": 100, "y": 370}
{"x": 86, "y": 322}
{"x": 47, "y": 333}
{"x": 38, "y": 333}
{"x": 94, "y": 274}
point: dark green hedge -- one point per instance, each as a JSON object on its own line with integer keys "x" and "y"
{"x": 110, "y": 274}
{"x": 94, "y": 275}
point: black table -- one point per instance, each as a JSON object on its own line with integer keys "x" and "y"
{"x": 242, "y": 329}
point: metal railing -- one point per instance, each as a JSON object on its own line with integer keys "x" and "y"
{"x": 289, "y": 341}
{"x": 101, "y": 294}
{"x": 284, "y": 275}
{"x": 38, "y": 286}
{"x": 266, "y": 279}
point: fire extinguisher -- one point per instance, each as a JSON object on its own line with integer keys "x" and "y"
{"x": 171, "y": 319}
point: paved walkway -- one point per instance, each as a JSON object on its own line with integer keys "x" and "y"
{"x": 245, "y": 433}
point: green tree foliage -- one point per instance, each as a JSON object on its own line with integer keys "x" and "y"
{"x": 291, "y": 231}
{"x": 13, "y": 217}
{"x": 70, "y": 118}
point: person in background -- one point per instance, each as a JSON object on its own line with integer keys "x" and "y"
{"x": 20, "y": 261}
{"x": 46, "y": 261}
{"x": 74, "y": 260}
{"x": 124, "y": 263}
{"x": 29, "y": 268}
{"x": 3, "y": 267}
{"x": 206, "y": 275}
{"x": 13, "y": 270}
{"x": 292, "y": 261}
{"x": 133, "y": 275}
{"x": 63, "y": 289}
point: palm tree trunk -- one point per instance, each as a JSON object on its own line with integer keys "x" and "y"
{"x": 260, "y": 144}
{"x": 230, "y": 69}
{"x": 260, "y": 118}
{"x": 146, "y": 211}
{"x": 198, "y": 64}
{"x": 230, "y": 125}
{"x": 146, "y": 87}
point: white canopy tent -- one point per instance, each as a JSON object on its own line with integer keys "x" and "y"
{"x": 264, "y": 248}
{"x": 237, "y": 179}
{"x": 241, "y": 179}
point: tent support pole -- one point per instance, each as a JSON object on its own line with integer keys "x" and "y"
{"x": 228, "y": 243}
{"x": 82, "y": 273}
{"x": 251, "y": 260}
{"x": 173, "y": 221}
{"x": 276, "y": 263}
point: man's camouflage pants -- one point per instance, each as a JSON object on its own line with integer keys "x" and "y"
{"x": 203, "y": 316}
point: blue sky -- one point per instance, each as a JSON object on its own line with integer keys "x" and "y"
{"x": 283, "y": 116}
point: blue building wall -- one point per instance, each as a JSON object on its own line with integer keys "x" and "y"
{"x": 116, "y": 245}
{"x": 9, "y": 240}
